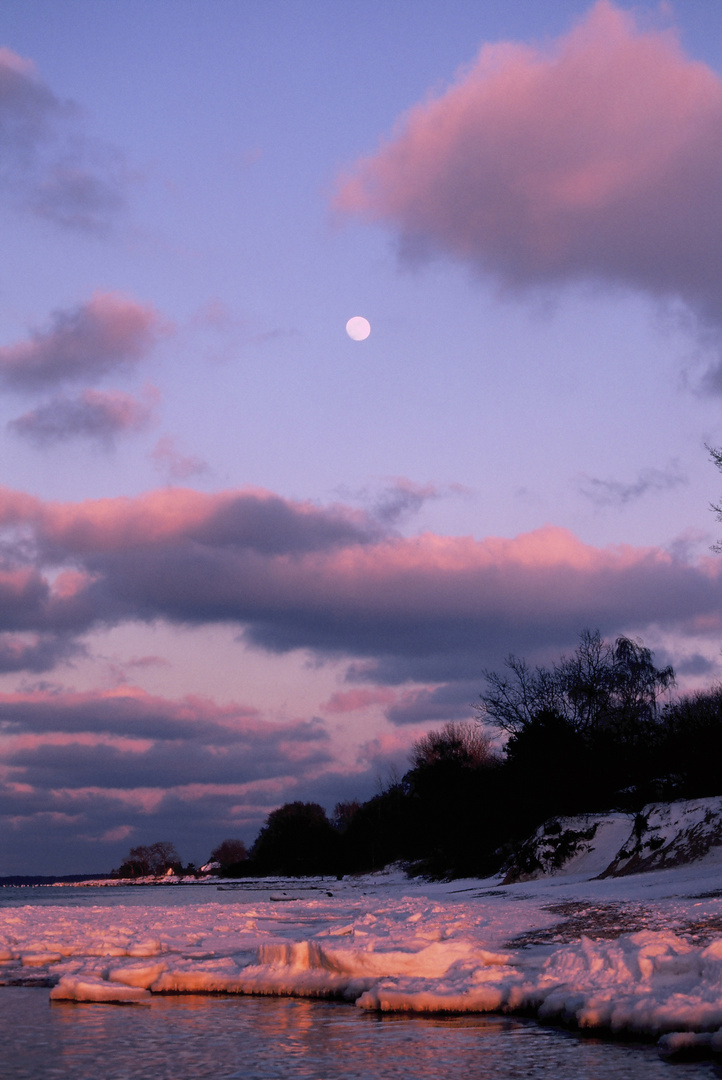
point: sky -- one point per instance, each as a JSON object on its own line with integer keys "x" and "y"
{"x": 247, "y": 560}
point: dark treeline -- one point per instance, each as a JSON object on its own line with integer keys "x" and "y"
{"x": 593, "y": 732}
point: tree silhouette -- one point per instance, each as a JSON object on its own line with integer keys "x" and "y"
{"x": 297, "y": 839}
{"x": 716, "y": 455}
{"x": 601, "y": 686}
{"x": 155, "y": 860}
{"x": 230, "y": 856}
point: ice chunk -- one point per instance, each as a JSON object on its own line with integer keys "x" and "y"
{"x": 89, "y": 989}
{"x": 143, "y": 976}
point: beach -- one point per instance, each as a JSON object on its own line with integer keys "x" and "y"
{"x": 637, "y": 956}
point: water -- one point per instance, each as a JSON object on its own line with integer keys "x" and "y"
{"x": 149, "y": 895}
{"x": 225, "y": 1038}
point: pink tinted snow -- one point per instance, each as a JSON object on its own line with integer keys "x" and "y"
{"x": 390, "y": 944}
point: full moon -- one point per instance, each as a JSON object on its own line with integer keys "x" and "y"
{"x": 358, "y": 328}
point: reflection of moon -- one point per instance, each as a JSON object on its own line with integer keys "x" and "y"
{"x": 358, "y": 328}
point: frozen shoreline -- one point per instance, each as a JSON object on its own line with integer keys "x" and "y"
{"x": 640, "y": 955}
{"x": 634, "y": 955}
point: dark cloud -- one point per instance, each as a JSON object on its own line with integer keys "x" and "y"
{"x": 440, "y": 704}
{"x": 696, "y": 664}
{"x": 594, "y": 158}
{"x": 94, "y": 414}
{"x": 48, "y": 166}
{"x": 147, "y": 661}
{"x": 27, "y": 106}
{"x": 84, "y": 343}
{"x": 30, "y": 605}
{"x": 402, "y": 499}
{"x": 617, "y": 493}
{"x": 100, "y": 771}
{"x": 246, "y": 523}
{"x": 170, "y": 765}
{"x": 71, "y": 196}
{"x": 63, "y": 830}
{"x": 36, "y": 652}
{"x": 429, "y": 609}
{"x": 128, "y": 712}
{"x": 149, "y": 735}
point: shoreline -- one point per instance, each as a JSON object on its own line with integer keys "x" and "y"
{"x": 633, "y": 957}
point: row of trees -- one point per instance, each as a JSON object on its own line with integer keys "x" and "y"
{"x": 595, "y": 731}
{"x": 592, "y": 732}
{"x": 161, "y": 858}
{"x": 154, "y": 860}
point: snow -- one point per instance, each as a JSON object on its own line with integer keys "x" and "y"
{"x": 92, "y": 988}
{"x": 663, "y": 834}
{"x": 638, "y": 954}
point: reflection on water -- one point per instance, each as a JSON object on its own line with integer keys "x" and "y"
{"x": 225, "y": 1038}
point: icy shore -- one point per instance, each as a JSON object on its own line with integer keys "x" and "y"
{"x": 638, "y": 955}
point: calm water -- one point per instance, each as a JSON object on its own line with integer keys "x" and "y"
{"x": 253, "y": 1038}
{"x": 150, "y": 895}
{"x": 256, "y": 1038}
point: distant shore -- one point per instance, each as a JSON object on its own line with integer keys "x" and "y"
{"x": 98, "y": 880}
{"x": 19, "y": 880}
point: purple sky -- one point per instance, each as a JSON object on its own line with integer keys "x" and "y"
{"x": 247, "y": 560}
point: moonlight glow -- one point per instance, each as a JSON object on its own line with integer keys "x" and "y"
{"x": 358, "y": 328}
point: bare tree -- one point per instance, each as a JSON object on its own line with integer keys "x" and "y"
{"x": 163, "y": 857}
{"x": 143, "y": 861}
{"x": 716, "y": 455}
{"x": 602, "y": 685}
{"x": 464, "y": 743}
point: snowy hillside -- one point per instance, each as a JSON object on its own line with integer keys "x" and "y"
{"x": 604, "y": 845}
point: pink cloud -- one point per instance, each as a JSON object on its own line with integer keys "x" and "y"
{"x": 248, "y": 518}
{"x": 214, "y": 314}
{"x": 13, "y": 65}
{"x": 107, "y": 332}
{"x": 128, "y": 739}
{"x": 70, "y": 583}
{"x": 143, "y": 800}
{"x": 168, "y": 459}
{"x": 353, "y": 700}
{"x": 123, "y": 710}
{"x": 596, "y": 158}
{"x": 298, "y": 576}
{"x": 82, "y": 738}
{"x": 113, "y": 836}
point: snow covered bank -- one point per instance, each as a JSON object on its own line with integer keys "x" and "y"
{"x": 149, "y": 879}
{"x": 640, "y": 954}
{"x": 611, "y": 845}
